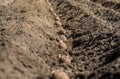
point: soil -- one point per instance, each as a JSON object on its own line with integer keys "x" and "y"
{"x": 29, "y": 38}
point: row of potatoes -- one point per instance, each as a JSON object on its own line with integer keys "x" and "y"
{"x": 59, "y": 73}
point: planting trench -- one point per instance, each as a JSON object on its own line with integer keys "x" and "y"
{"x": 29, "y": 39}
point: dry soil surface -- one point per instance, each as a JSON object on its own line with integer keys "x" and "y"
{"x": 29, "y": 38}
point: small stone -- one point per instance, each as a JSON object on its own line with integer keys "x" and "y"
{"x": 58, "y": 23}
{"x": 60, "y": 74}
{"x": 65, "y": 58}
{"x": 63, "y": 38}
{"x": 62, "y": 45}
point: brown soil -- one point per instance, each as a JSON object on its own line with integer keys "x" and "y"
{"x": 29, "y": 38}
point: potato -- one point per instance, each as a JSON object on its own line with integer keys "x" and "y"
{"x": 62, "y": 45}
{"x": 57, "y": 18}
{"x": 65, "y": 58}
{"x": 6, "y": 2}
{"x": 60, "y": 74}
{"x": 55, "y": 14}
{"x": 63, "y": 31}
{"x": 58, "y": 23}
{"x": 51, "y": 9}
{"x": 63, "y": 38}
